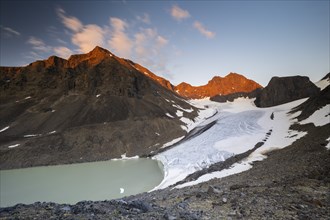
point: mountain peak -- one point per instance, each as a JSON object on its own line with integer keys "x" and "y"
{"x": 99, "y": 50}
{"x": 55, "y": 61}
{"x": 232, "y": 83}
{"x": 232, "y": 74}
{"x": 95, "y": 56}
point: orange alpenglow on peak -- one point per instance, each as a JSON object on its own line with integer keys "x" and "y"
{"x": 93, "y": 57}
{"x": 232, "y": 83}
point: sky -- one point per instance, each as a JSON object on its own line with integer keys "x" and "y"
{"x": 189, "y": 41}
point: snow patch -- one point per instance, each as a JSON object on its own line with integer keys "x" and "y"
{"x": 169, "y": 115}
{"x": 322, "y": 84}
{"x": 27, "y": 97}
{"x": 15, "y": 145}
{"x": 5, "y": 128}
{"x": 51, "y": 132}
{"x": 320, "y": 117}
{"x": 179, "y": 107}
{"x": 157, "y": 133}
{"x": 31, "y": 135}
{"x": 98, "y": 95}
{"x": 123, "y": 157}
{"x": 53, "y": 110}
{"x": 179, "y": 113}
{"x": 172, "y": 142}
{"x": 234, "y": 169}
{"x": 328, "y": 145}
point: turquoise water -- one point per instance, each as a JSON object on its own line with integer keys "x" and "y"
{"x": 76, "y": 182}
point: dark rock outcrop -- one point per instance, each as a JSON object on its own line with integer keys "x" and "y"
{"x": 233, "y": 96}
{"x": 281, "y": 90}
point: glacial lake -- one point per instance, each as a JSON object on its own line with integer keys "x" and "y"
{"x": 77, "y": 182}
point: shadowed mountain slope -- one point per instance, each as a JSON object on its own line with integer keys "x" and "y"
{"x": 93, "y": 106}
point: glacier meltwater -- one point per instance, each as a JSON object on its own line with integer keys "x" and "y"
{"x": 76, "y": 182}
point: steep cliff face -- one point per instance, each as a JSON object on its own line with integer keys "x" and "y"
{"x": 93, "y": 106}
{"x": 281, "y": 90}
{"x": 232, "y": 83}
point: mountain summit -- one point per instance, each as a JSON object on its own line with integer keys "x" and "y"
{"x": 232, "y": 83}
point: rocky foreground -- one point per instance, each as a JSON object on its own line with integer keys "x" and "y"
{"x": 292, "y": 183}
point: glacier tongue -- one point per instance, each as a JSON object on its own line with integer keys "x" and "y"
{"x": 205, "y": 149}
{"x": 235, "y": 128}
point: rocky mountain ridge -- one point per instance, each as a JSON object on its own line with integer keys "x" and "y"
{"x": 93, "y": 106}
{"x": 232, "y": 83}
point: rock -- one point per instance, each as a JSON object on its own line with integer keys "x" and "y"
{"x": 213, "y": 190}
{"x": 66, "y": 208}
{"x": 232, "y": 213}
{"x": 183, "y": 205}
{"x": 224, "y": 200}
{"x": 238, "y": 186}
{"x": 141, "y": 205}
{"x": 281, "y": 90}
{"x": 168, "y": 216}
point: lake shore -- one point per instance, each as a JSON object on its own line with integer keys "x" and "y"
{"x": 291, "y": 183}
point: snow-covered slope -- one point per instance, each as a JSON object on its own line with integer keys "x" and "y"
{"x": 319, "y": 117}
{"x": 238, "y": 127}
{"x": 322, "y": 84}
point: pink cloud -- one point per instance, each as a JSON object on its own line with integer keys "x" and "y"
{"x": 199, "y": 26}
{"x": 179, "y": 13}
{"x": 119, "y": 41}
{"x": 63, "y": 52}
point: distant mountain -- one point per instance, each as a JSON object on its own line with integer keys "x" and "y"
{"x": 279, "y": 90}
{"x": 93, "y": 106}
{"x": 232, "y": 83}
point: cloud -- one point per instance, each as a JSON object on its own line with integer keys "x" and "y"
{"x": 161, "y": 41}
{"x": 149, "y": 51}
{"x": 61, "y": 41}
{"x": 38, "y": 45}
{"x": 70, "y": 22}
{"x": 145, "y": 46}
{"x": 148, "y": 41}
{"x": 86, "y": 37}
{"x": 63, "y": 52}
{"x": 179, "y": 13}
{"x": 119, "y": 41}
{"x": 199, "y": 26}
{"x": 145, "y": 18}
{"x": 8, "y": 32}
